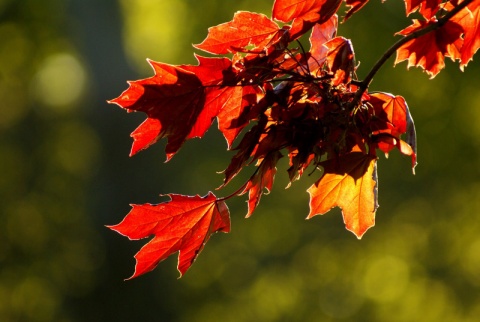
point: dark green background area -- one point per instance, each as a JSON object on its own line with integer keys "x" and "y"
{"x": 66, "y": 173}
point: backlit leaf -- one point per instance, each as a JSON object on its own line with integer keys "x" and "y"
{"x": 230, "y": 118}
{"x": 340, "y": 60}
{"x": 428, "y": 51}
{"x": 261, "y": 180}
{"x": 181, "y": 102}
{"x": 304, "y": 13}
{"x": 469, "y": 19}
{"x": 184, "y": 224}
{"x": 245, "y": 29}
{"x": 348, "y": 182}
{"x": 321, "y": 33}
{"x": 427, "y": 8}
{"x": 392, "y": 119}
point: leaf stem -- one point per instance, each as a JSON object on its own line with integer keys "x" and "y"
{"x": 368, "y": 79}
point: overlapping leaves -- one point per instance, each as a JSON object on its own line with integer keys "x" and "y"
{"x": 457, "y": 37}
{"x": 306, "y": 105}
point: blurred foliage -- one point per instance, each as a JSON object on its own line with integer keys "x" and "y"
{"x": 49, "y": 153}
{"x": 66, "y": 173}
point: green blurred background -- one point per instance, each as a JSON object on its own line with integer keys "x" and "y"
{"x": 66, "y": 173}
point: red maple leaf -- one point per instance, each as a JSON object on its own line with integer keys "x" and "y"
{"x": 469, "y": 19}
{"x": 184, "y": 224}
{"x": 230, "y": 121}
{"x": 304, "y": 13}
{"x": 246, "y": 29}
{"x": 321, "y": 33}
{"x": 261, "y": 180}
{"x": 427, "y": 8}
{"x": 348, "y": 182}
{"x": 171, "y": 86}
{"x": 390, "y": 113}
{"x": 173, "y": 100}
{"x": 391, "y": 118}
{"x": 245, "y": 149}
{"x": 181, "y": 102}
{"x": 340, "y": 60}
{"x": 428, "y": 51}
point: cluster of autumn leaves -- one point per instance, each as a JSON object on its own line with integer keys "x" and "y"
{"x": 307, "y": 105}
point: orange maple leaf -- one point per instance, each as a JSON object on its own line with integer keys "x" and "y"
{"x": 349, "y": 182}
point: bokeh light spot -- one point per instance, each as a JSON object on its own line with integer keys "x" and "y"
{"x": 151, "y": 30}
{"x": 386, "y": 279}
{"x": 60, "y": 82}
{"x": 471, "y": 262}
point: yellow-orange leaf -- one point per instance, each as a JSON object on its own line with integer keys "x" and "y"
{"x": 349, "y": 182}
